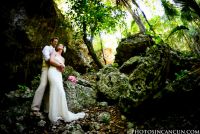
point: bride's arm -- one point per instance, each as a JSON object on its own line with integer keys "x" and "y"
{"x": 54, "y": 62}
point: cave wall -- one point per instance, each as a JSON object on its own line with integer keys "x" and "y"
{"x": 26, "y": 26}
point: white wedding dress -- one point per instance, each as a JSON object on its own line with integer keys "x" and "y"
{"x": 58, "y": 108}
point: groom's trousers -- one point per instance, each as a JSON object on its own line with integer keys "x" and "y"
{"x": 40, "y": 93}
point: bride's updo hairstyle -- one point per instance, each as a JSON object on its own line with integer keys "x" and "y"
{"x": 59, "y": 46}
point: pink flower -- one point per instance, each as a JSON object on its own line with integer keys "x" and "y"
{"x": 72, "y": 79}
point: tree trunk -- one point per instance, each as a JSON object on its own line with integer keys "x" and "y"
{"x": 135, "y": 3}
{"x": 135, "y": 17}
{"x": 104, "y": 59}
{"x": 90, "y": 47}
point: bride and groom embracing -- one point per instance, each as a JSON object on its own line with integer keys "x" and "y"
{"x": 52, "y": 68}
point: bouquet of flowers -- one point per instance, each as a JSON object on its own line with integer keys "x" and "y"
{"x": 72, "y": 79}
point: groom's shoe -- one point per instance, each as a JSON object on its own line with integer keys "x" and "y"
{"x": 36, "y": 113}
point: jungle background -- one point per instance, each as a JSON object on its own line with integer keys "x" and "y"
{"x": 137, "y": 63}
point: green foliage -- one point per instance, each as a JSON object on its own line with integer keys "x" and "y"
{"x": 186, "y": 14}
{"x": 115, "y": 65}
{"x": 69, "y": 71}
{"x": 35, "y": 82}
{"x": 104, "y": 17}
{"x": 105, "y": 120}
{"x": 177, "y": 28}
{"x": 189, "y": 5}
{"x": 104, "y": 117}
{"x": 22, "y": 92}
{"x": 176, "y": 31}
{"x": 181, "y": 74}
{"x": 159, "y": 24}
{"x": 170, "y": 9}
{"x": 156, "y": 38}
{"x": 128, "y": 31}
{"x": 97, "y": 15}
{"x": 22, "y": 88}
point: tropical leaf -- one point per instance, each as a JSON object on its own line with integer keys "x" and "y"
{"x": 186, "y": 14}
{"x": 170, "y": 9}
{"x": 178, "y": 28}
{"x": 192, "y": 4}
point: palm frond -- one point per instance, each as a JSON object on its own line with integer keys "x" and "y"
{"x": 192, "y": 4}
{"x": 186, "y": 14}
{"x": 178, "y": 28}
{"x": 170, "y": 9}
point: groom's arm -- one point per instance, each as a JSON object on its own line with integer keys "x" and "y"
{"x": 58, "y": 65}
{"x": 46, "y": 54}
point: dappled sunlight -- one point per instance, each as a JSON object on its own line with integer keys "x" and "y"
{"x": 62, "y": 5}
{"x": 152, "y": 10}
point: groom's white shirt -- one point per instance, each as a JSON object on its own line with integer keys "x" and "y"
{"x": 47, "y": 50}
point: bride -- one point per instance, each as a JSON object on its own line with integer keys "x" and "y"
{"x": 58, "y": 108}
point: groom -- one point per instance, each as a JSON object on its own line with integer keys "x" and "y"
{"x": 37, "y": 100}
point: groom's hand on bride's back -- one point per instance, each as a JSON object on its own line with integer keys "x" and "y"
{"x": 61, "y": 68}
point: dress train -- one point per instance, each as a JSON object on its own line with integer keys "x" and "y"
{"x": 58, "y": 108}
